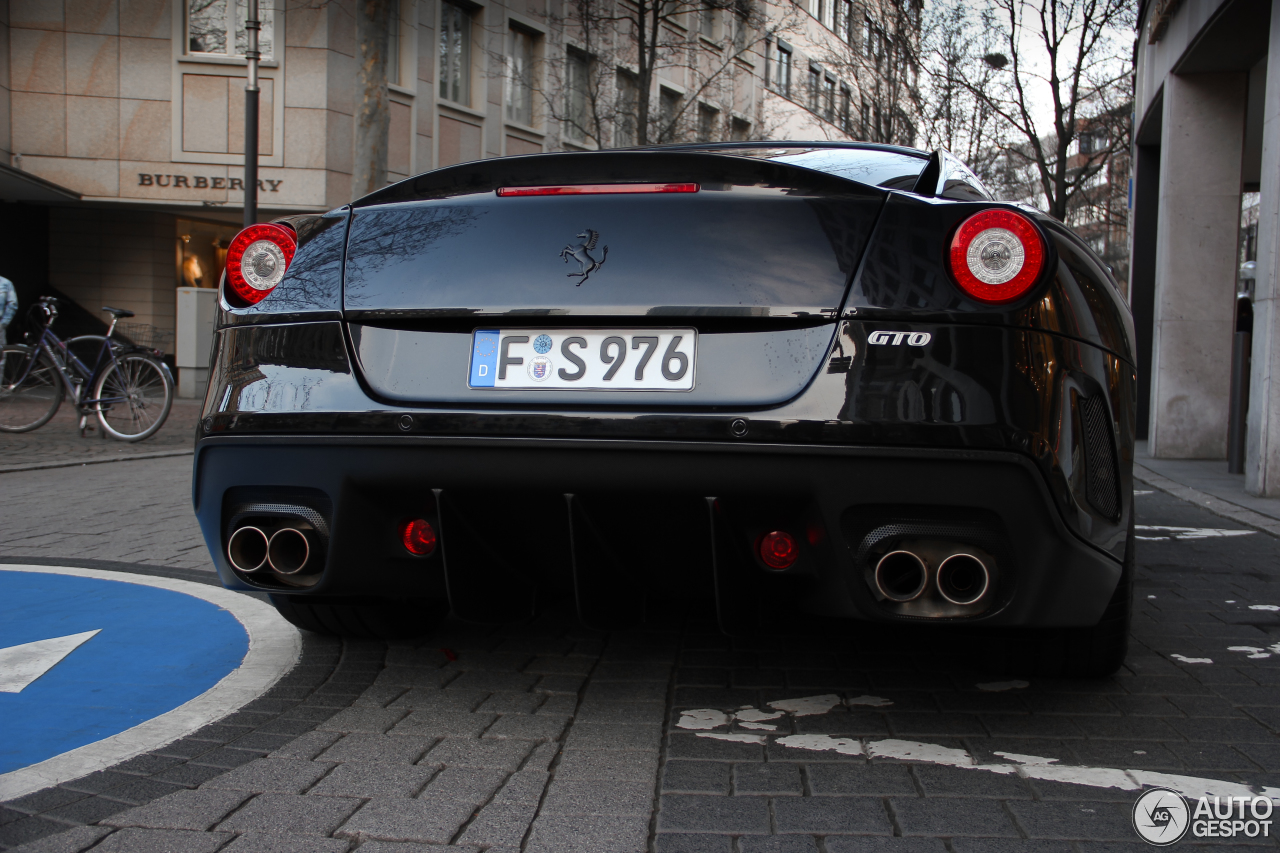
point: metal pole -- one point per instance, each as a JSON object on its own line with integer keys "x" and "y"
{"x": 251, "y": 27}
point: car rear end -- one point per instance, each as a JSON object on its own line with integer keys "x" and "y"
{"x": 638, "y": 376}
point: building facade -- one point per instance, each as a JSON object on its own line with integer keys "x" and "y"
{"x": 122, "y": 121}
{"x": 1207, "y": 133}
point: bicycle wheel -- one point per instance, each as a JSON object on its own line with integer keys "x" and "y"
{"x": 30, "y": 392}
{"x": 133, "y": 398}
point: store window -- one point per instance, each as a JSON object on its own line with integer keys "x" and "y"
{"x": 216, "y": 28}
{"x": 520, "y": 82}
{"x": 455, "y": 53}
{"x": 202, "y": 252}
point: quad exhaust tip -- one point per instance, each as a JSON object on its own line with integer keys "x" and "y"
{"x": 963, "y": 579}
{"x": 247, "y": 549}
{"x": 901, "y": 576}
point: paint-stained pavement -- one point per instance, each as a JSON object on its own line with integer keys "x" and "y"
{"x": 551, "y": 737}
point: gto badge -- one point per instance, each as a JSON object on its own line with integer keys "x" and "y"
{"x": 893, "y": 339}
{"x": 582, "y": 254}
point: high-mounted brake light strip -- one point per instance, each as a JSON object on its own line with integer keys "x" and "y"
{"x": 598, "y": 189}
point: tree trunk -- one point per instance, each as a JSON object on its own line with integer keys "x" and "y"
{"x": 373, "y": 112}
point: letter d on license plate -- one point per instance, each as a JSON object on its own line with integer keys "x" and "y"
{"x": 584, "y": 359}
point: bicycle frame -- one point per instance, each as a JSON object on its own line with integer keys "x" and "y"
{"x": 66, "y": 362}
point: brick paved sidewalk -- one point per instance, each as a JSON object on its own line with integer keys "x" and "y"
{"x": 548, "y": 737}
{"x": 59, "y": 441}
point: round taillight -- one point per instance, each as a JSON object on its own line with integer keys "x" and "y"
{"x": 418, "y": 536}
{"x": 997, "y": 256}
{"x": 257, "y": 259}
{"x": 778, "y": 550}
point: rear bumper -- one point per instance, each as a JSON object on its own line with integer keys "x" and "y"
{"x": 622, "y": 523}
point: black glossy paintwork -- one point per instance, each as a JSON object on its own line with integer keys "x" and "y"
{"x": 312, "y": 285}
{"x": 978, "y": 387}
{"x": 743, "y": 251}
{"x": 905, "y": 277}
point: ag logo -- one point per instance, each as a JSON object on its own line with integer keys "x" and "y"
{"x": 582, "y": 254}
{"x": 913, "y": 339}
{"x": 1161, "y": 817}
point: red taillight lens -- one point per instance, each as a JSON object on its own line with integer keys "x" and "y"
{"x": 778, "y": 549}
{"x": 418, "y": 536}
{"x": 997, "y": 255}
{"x": 598, "y": 189}
{"x": 257, "y": 259}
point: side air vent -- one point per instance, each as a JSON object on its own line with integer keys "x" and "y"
{"x": 1102, "y": 483}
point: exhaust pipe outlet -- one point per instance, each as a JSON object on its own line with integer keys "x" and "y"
{"x": 963, "y": 579}
{"x": 247, "y": 549}
{"x": 289, "y": 551}
{"x": 901, "y": 576}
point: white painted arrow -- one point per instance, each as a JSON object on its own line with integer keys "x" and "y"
{"x": 21, "y": 665}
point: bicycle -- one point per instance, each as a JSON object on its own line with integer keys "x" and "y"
{"x": 130, "y": 388}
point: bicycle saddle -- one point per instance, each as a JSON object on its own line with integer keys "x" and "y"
{"x": 118, "y": 312}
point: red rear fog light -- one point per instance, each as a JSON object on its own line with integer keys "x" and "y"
{"x": 778, "y": 550}
{"x": 418, "y": 536}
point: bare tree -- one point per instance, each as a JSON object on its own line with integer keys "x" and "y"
{"x": 880, "y": 50}
{"x": 955, "y": 51}
{"x": 1070, "y": 55}
{"x": 605, "y": 89}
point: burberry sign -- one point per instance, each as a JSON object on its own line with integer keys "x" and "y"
{"x": 200, "y": 182}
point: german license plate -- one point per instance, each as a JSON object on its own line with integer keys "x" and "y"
{"x": 584, "y": 359}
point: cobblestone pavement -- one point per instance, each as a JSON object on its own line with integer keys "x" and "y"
{"x": 549, "y": 737}
{"x": 59, "y": 441}
{"x": 136, "y": 511}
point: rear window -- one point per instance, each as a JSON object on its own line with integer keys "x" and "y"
{"x": 892, "y": 170}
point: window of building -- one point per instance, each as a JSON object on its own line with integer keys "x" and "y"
{"x": 815, "y": 88}
{"x": 846, "y": 27}
{"x": 394, "y": 34}
{"x": 781, "y": 72}
{"x": 846, "y": 107}
{"x": 864, "y": 126}
{"x": 827, "y": 13}
{"x": 829, "y": 98}
{"x": 216, "y": 27}
{"x": 455, "y": 53}
{"x": 707, "y": 22}
{"x": 740, "y": 20}
{"x": 708, "y": 118}
{"x": 740, "y": 130}
{"x": 628, "y": 111}
{"x": 668, "y": 114}
{"x": 868, "y": 32}
{"x": 577, "y": 82}
{"x": 520, "y": 82}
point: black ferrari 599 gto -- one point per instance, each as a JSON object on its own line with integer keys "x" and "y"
{"x": 834, "y": 377}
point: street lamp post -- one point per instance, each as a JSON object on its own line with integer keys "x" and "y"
{"x": 251, "y": 27}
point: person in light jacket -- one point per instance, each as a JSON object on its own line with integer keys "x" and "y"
{"x": 8, "y": 306}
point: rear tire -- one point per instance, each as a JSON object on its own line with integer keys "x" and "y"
{"x": 29, "y": 394}
{"x": 365, "y": 620}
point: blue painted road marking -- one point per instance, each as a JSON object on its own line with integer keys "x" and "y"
{"x": 155, "y": 650}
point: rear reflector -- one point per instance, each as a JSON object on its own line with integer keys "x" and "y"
{"x": 598, "y": 189}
